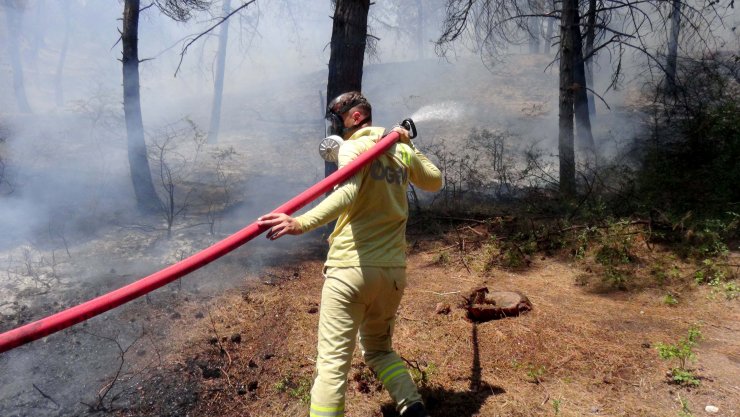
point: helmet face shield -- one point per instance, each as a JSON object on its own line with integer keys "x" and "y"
{"x": 341, "y": 105}
{"x": 335, "y": 122}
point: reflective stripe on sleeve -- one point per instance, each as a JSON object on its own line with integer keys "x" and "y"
{"x": 321, "y": 411}
{"x": 406, "y": 157}
{"x": 393, "y": 370}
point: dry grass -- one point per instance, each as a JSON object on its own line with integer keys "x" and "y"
{"x": 579, "y": 352}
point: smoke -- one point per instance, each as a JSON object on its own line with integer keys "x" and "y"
{"x": 70, "y": 230}
{"x": 449, "y": 111}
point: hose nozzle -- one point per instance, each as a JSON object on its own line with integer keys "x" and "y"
{"x": 409, "y": 125}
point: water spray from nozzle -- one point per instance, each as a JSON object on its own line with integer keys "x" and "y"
{"x": 446, "y": 110}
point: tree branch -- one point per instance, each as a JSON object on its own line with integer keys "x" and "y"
{"x": 223, "y": 19}
{"x": 146, "y": 7}
{"x": 46, "y": 395}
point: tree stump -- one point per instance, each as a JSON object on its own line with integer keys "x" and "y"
{"x": 482, "y": 305}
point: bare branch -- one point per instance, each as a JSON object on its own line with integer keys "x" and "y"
{"x": 180, "y": 10}
{"x": 146, "y": 7}
{"x": 46, "y": 396}
{"x": 600, "y": 98}
{"x": 192, "y": 41}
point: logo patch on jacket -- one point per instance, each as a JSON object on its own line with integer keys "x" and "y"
{"x": 392, "y": 175}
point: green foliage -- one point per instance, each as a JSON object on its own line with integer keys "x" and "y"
{"x": 489, "y": 253}
{"x": 710, "y": 273}
{"x": 617, "y": 278}
{"x": 707, "y": 237}
{"x": 421, "y": 374}
{"x": 535, "y": 373}
{"x": 681, "y": 352}
{"x": 731, "y": 290}
{"x": 670, "y": 300}
{"x": 615, "y": 245}
{"x": 691, "y": 161}
{"x": 685, "y": 411}
{"x": 513, "y": 252}
{"x": 684, "y": 377}
{"x": 664, "y": 271}
{"x": 583, "y": 239}
{"x": 443, "y": 258}
{"x": 300, "y": 389}
{"x": 282, "y": 385}
{"x": 556, "y": 406}
{"x": 513, "y": 256}
{"x": 613, "y": 250}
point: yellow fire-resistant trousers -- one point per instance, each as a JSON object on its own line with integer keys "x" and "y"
{"x": 363, "y": 299}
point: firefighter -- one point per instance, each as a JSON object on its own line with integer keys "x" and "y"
{"x": 365, "y": 269}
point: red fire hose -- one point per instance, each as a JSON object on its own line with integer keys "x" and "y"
{"x": 59, "y": 321}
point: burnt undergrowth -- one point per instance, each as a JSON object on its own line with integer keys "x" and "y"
{"x": 662, "y": 212}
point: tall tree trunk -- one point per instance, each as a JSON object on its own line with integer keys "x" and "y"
{"x": 348, "y": 38}
{"x": 566, "y": 152}
{"x": 59, "y": 77}
{"x": 533, "y": 27}
{"x": 590, "y": 40}
{"x": 671, "y": 61}
{"x": 420, "y": 29}
{"x": 583, "y": 121}
{"x": 550, "y": 29}
{"x": 36, "y": 39}
{"x": 141, "y": 177}
{"x": 218, "y": 84}
{"x": 13, "y": 16}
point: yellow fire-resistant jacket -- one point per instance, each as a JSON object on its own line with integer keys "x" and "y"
{"x": 371, "y": 206}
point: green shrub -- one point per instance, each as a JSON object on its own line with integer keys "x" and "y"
{"x": 535, "y": 373}
{"x": 300, "y": 390}
{"x": 690, "y": 161}
{"x": 664, "y": 271}
{"x": 556, "y": 406}
{"x": 711, "y": 273}
{"x": 670, "y": 300}
{"x": 685, "y": 411}
{"x": 443, "y": 258}
{"x": 615, "y": 246}
{"x": 681, "y": 352}
{"x": 731, "y": 290}
{"x": 421, "y": 374}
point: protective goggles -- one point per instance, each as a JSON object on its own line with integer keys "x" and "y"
{"x": 337, "y": 108}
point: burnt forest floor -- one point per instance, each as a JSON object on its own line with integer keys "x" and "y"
{"x": 585, "y": 349}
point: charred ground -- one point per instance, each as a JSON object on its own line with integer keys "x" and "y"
{"x": 586, "y": 348}
{"x": 610, "y": 275}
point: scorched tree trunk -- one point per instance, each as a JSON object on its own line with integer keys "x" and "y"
{"x": 672, "y": 57}
{"x": 218, "y": 84}
{"x": 59, "y": 77}
{"x": 588, "y": 53}
{"x": 566, "y": 152}
{"x": 13, "y": 16}
{"x": 580, "y": 103}
{"x": 348, "y": 38}
{"x": 141, "y": 177}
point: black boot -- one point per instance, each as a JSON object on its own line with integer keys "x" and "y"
{"x": 415, "y": 410}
